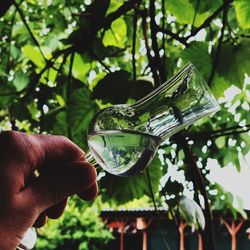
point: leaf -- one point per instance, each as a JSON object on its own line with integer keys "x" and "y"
{"x": 186, "y": 16}
{"x": 140, "y": 88}
{"x": 78, "y": 114}
{"x": 204, "y": 6}
{"x": 242, "y": 9}
{"x": 21, "y": 80}
{"x": 5, "y": 100}
{"x": 33, "y": 54}
{"x": 80, "y": 67}
{"x": 220, "y": 142}
{"x": 197, "y": 53}
{"x": 218, "y": 85}
{"x": 124, "y": 189}
{"x": 116, "y": 35}
{"x": 113, "y": 88}
{"x": 192, "y": 213}
{"x": 183, "y": 11}
{"x": 234, "y": 62}
{"x": 19, "y": 110}
{"x": 96, "y": 11}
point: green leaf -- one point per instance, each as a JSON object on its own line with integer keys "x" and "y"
{"x": 242, "y": 9}
{"x": 140, "y": 88}
{"x": 234, "y": 62}
{"x": 197, "y": 53}
{"x": 113, "y": 88}
{"x": 116, "y": 35}
{"x": 184, "y": 12}
{"x": 80, "y": 67}
{"x": 218, "y": 85}
{"x": 124, "y": 189}
{"x": 204, "y": 6}
{"x": 78, "y": 114}
{"x": 33, "y": 54}
{"x": 6, "y": 97}
{"x": 192, "y": 213}
{"x": 21, "y": 80}
{"x": 220, "y": 142}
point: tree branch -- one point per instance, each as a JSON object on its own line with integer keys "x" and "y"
{"x": 195, "y": 13}
{"x": 227, "y": 226}
{"x": 218, "y": 50}
{"x": 175, "y": 36}
{"x": 163, "y": 45}
{"x": 239, "y": 226}
{"x": 220, "y": 132}
{"x": 209, "y": 19}
{"x": 29, "y": 30}
{"x": 68, "y": 95}
{"x": 5, "y": 5}
{"x": 135, "y": 18}
{"x": 153, "y": 28}
{"x": 150, "y": 58}
{"x": 127, "y": 6}
{"x": 207, "y": 234}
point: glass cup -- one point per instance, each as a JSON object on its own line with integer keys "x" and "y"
{"x": 123, "y": 139}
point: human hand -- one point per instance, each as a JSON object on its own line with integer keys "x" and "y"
{"x": 26, "y": 199}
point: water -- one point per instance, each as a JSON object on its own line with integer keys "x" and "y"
{"x": 122, "y": 152}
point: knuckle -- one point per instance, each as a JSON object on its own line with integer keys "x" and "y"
{"x": 71, "y": 150}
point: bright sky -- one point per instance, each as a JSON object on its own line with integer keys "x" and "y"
{"x": 238, "y": 183}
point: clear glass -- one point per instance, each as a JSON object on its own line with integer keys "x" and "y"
{"x": 124, "y": 138}
{"x": 29, "y": 240}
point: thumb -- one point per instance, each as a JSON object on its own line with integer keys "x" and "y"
{"x": 53, "y": 186}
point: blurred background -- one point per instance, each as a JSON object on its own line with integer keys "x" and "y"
{"x": 62, "y": 61}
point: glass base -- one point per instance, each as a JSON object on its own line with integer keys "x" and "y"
{"x": 29, "y": 240}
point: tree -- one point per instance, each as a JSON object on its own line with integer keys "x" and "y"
{"x": 56, "y": 58}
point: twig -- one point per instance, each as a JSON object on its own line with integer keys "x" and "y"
{"x": 209, "y": 19}
{"x": 135, "y": 18}
{"x": 150, "y": 58}
{"x": 5, "y": 5}
{"x": 207, "y": 234}
{"x": 153, "y": 28}
{"x": 175, "y": 36}
{"x": 69, "y": 8}
{"x": 29, "y": 30}
{"x": 68, "y": 94}
{"x": 155, "y": 207}
{"x": 105, "y": 66}
{"x": 218, "y": 50}
{"x": 195, "y": 13}
{"x": 220, "y": 132}
{"x": 10, "y": 38}
{"x": 60, "y": 69}
{"x": 163, "y": 11}
{"x": 127, "y": 6}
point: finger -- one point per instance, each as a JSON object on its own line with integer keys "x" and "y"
{"x": 54, "y": 186}
{"x": 40, "y": 221}
{"x": 57, "y": 210}
{"x": 57, "y": 150}
{"x": 90, "y": 193}
{"x": 21, "y": 154}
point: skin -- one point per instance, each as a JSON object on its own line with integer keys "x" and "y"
{"x": 28, "y": 199}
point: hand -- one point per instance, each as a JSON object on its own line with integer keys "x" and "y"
{"x": 27, "y": 199}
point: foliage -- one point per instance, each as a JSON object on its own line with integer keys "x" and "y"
{"x": 79, "y": 228}
{"x": 63, "y": 61}
{"x": 191, "y": 212}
